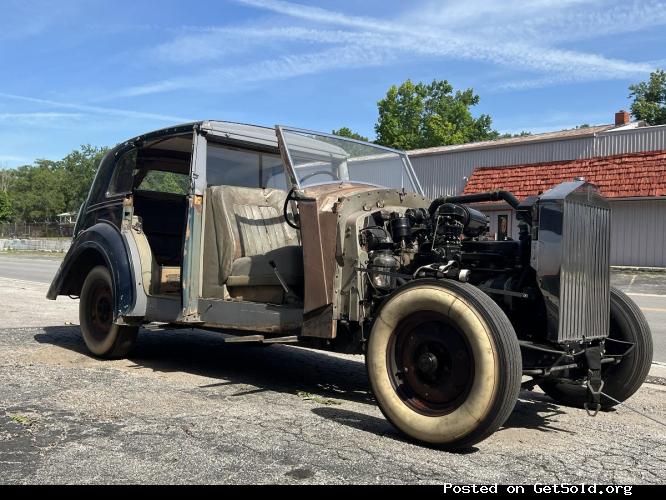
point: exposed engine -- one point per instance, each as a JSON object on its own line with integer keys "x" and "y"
{"x": 445, "y": 240}
{"x": 533, "y": 278}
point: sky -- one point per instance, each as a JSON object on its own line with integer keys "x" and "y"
{"x": 98, "y": 72}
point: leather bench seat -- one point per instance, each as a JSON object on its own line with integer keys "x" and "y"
{"x": 256, "y": 270}
{"x": 244, "y": 231}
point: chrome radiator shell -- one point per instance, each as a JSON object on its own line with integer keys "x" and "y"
{"x": 571, "y": 256}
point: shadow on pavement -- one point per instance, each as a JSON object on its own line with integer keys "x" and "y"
{"x": 280, "y": 368}
{"x": 375, "y": 425}
{"x": 535, "y": 411}
{"x": 276, "y": 368}
{"x": 528, "y": 414}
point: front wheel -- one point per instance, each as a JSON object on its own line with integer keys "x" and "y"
{"x": 444, "y": 363}
{"x": 627, "y": 326}
{"x": 102, "y": 337}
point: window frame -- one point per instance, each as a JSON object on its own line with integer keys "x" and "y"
{"x": 117, "y": 171}
{"x": 187, "y": 177}
{"x": 250, "y": 148}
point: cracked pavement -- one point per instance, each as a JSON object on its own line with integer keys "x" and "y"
{"x": 186, "y": 408}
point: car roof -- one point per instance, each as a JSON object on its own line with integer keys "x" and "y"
{"x": 232, "y": 130}
{"x": 240, "y": 132}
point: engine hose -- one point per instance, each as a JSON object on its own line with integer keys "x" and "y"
{"x": 475, "y": 198}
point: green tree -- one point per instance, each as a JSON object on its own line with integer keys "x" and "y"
{"x": 6, "y": 175}
{"x": 508, "y": 135}
{"x": 425, "y": 115}
{"x": 40, "y": 191}
{"x": 36, "y": 191}
{"x": 6, "y": 212}
{"x": 165, "y": 182}
{"x": 347, "y": 132}
{"x": 77, "y": 173}
{"x": 650, "y": 99}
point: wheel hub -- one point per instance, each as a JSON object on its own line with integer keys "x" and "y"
{"x": 432, "y": 365}
{"x": 427, "y": 363}
{"x": 101, "y": 310}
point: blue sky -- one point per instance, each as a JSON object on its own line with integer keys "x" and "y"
{"x": 99, "y": 72}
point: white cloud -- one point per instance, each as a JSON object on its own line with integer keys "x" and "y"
{"x": 29, "y": 18}
{"x": 514, "y": 34}
{"x": 97, "y": 110}
{"x": 212, "y": 43}
{"x": 320, "y": 15}
{"x": 427, "y": 38}
{"x": 280, "y": 68}
{"x": 552, "y": 22}
{"x": 468, "y": 14}
{"x": 38, "y": 118}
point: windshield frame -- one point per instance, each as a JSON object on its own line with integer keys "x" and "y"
{"x": 291, "y": 171}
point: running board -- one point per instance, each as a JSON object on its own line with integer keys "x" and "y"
{"x": 239, "y": 339}
{"x": 281, "y": 340}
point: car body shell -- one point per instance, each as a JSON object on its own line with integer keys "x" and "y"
{"x": 330, "y": 213}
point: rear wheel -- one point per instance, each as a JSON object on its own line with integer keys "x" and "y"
{"x": 102, "y": 337}
{"x": 444, "y": 363}
{"x": 627, "y": 324}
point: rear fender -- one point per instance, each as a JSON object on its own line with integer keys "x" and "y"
{"x": 101, "y": 244}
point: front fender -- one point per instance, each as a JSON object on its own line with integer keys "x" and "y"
{"x": 99, "y": 244}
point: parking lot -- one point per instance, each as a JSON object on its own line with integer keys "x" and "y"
{"x": 185, "y": 407}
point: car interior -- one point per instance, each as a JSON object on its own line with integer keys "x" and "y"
{"x": 159, "y": 193}
{"x": 249, "y": 251}
{"x": 246, "y": 237}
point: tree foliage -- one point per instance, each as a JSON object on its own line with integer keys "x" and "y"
{"x": 425, "y": 115}
{"x": 508, "y": 135}
{"x": 165, "y": 182}
{"x": 650, "y": 99}
{"x": 39, "y": 192}
{"x": 6, "y": 211}
{"x": 347, "y": 132}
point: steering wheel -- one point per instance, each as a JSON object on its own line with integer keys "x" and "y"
{"x": 321, "y": 172}
{"x": 290, "y": 197}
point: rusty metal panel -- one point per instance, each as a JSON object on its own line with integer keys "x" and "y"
{"x": 192, "y": 259}
{"x": 318, "y": 234}
{"x": 249, "y": 316}
{"x": 320, "y": 323}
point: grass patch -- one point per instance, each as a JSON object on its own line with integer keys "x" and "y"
{"x": 306, "y": 396}
{"x": 22, "y": 419}
{"x": 34, "y": 253}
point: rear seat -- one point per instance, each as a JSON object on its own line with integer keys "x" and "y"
{"x": 244, "y": 231}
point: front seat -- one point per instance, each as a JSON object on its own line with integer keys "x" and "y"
{"x": 244, "y": 231}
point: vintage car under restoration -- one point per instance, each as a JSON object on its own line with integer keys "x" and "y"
{"x": 291, "y": 236}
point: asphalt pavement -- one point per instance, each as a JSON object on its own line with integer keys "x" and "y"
{"x": 39, "y": 269}
{"x": 187, "y": 408}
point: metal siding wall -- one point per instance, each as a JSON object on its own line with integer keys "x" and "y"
{"x": 638, "y": 233}
{"x": 445, "y": 173}
{"x": 630, "y": 141}
{"x": 492, "y": 214}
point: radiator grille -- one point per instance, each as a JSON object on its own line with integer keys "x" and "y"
{"x": 585, "y": 272}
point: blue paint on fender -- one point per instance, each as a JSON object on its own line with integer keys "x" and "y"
{"x": 104, "y": 239}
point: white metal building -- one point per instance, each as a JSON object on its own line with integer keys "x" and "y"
{"x": 627, "y": 160}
